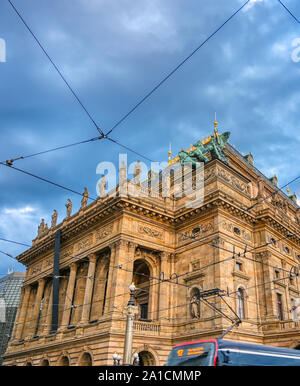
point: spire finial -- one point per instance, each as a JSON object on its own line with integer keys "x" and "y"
{"x": 170, "y": 153}
{"x": 216, "y": 126}
{"x": 288, "y": 190}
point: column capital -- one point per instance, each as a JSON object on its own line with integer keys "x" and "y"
{"x": 164, "y": 256}
{"x": 25, "y": 289}
{"x": 92, "y": 257}
{"x": 73, "y": 266}
{"x": 113, "y": 246}
{"x": 132, "y": 245}
{"x": 41, "y": 281}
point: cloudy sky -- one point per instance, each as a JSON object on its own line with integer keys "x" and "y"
{"x": 113, "y": 53}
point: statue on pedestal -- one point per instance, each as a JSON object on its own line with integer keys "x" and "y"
{"x": 85, "y": 198}
{"x": 195, "y": 311}
{"x": 54, "y": 219}
{"x": 69, "y": 207}
{"x": 102, "y": 186}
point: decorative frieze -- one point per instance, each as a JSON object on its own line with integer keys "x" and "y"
{"x": 65, "y": 253}
{"x": 196, "y": 231}
{"x": 238, "y": 231}
{"x": 221, "y": 173}
{"x": 104, "y": 232}
{"x": 35, "y": 269}
{"x": 150, "y": 231}
{"x": 84, "y": 243}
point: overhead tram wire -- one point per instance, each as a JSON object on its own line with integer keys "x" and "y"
{"x": 10, "y": 162}
{"x": 134, "y": 108}
{"x": 286, "y": 8}
{"x": 175, "y": 69}
{"x": 127, "y": 148}
{"x": 45, "y": 180}
{"x": 14, "y": 242}
{"x": 9, "y": 255}
{"x": 56, "y": 68}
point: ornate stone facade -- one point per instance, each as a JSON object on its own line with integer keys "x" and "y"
{"x": 172, "y": 253}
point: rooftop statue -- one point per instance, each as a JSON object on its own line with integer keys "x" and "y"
{"x": 69, "y": 207}
{"x": 213, "y": 145}
{"x": 216, "y": 146}
{"x": 85, "y": 198}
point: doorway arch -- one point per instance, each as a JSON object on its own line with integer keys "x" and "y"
{"x": 146, "y": 358}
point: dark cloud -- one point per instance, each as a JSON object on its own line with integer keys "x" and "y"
{"x": 113, "y": 53}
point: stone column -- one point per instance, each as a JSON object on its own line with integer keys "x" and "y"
{"x": 120, "y": 278}
{"x": 48, "y": 317}
{"x": 172, "y": 286}
{"x": 109, "y": 299}
{"x": 23, "y": 311}
{"x": 88, "y": 289}
{"x": 13, "y": 335}
{"x": 37, "y": 306}
{"x": 69, "y": 297}
{"x": 164, "y": 286}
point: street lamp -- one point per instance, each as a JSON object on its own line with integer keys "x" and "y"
{"x": 136, "y": 359}
{"x": 117, "y": 359}
{"x": 132, "y": 289}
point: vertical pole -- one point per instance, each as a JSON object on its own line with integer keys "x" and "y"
{"x": 128, "y": 337}
{"x": 55, "y": 290}
{"x": 131, "y": 311}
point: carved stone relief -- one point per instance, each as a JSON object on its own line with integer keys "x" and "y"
{"x": 150, "y": 231}
{"x": 238, "y": 231}
{"x": 104, "y": 232}
{"x": 235, "y": 182}
{"x": 84, "y": 243}
{"x": 196, "y": 231}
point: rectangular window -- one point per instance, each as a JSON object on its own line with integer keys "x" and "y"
{"x": 238, "y": 266}
{"x": 144, "y": 311}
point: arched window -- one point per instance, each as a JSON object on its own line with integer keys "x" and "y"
{"x": 141, "y": 279}
{"x": 85, "y": 360}
{"x": 63, "y": 361}
{"x": 45, "y": 362}
{"x": 241, "y": 303}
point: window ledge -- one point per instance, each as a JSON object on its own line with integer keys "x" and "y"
{"x": 241, "y": 275}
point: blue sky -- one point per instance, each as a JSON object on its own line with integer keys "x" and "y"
{"x": 113, "y": 53}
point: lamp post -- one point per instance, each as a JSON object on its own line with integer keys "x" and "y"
{"x": 131, "y": 310}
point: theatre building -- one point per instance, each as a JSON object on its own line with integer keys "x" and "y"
{"x": 197, "y": 270}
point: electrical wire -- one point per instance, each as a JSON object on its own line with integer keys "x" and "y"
{"x": 175, "y": 69}
{"x": 10, "y": 161}
{"x": 56, "y": 68}
{"x": 286, "y": 8}
{"x": 15, "y": 242}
